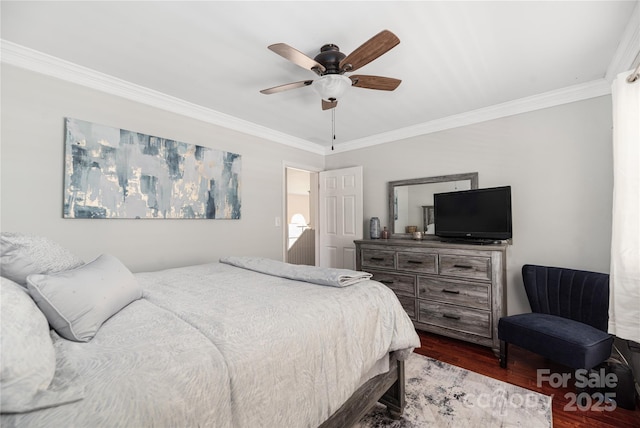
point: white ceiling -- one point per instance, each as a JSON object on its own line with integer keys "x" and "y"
{"x": 454, "y": 59}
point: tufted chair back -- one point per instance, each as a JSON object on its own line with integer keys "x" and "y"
{"x": 578, "y": 295}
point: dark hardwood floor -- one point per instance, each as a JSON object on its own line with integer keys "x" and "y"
{"x": 521, "y": 371}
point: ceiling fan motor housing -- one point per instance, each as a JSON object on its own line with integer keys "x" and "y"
{"x": 330, "y": 57}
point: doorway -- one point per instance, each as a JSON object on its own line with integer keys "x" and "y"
{"x": 323, "y": 216}
{"x": 301, "y": 189}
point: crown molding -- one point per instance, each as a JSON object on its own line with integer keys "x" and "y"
{"x": 628, "y": 48}
{"x": 566, "y": 95}
{"x": 23, "y": 57}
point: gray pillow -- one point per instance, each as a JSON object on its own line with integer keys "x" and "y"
{"x": 27, "y": 356}
{"x": 78, "y": 301}
{"x": 22, "y": 255}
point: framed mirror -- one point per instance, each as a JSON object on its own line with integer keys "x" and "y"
{"x": 411, "y": 201}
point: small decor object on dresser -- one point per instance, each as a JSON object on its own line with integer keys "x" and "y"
{"x": 385, "y": 233}
{"x": 374, "y": 228}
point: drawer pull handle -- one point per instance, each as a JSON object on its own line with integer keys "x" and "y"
{"x": 444, "y": 290}
{"x": 377, "y": 259}
{"x": 415, "y": 262}
{"x": 463, "y": 266}
{"x": 451, "y": 317}
{"x": 387, "y": 281}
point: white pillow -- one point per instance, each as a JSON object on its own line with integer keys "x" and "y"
{"x": 78, "y": 301}
{"x": 27, "y": 355}
{"x": 22, "y": 255}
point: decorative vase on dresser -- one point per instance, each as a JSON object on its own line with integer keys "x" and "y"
{"x": 456, "y": 290}
{"x": 374, "y": 228}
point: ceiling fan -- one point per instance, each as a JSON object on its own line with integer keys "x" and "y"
{"x": 331, "y": 64}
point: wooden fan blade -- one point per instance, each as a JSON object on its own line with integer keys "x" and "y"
{"x": 286, "y": 87}
{"x": 369, "y": 50}
{"x": 297, "y": 57}
{"x": 326, "y": 105}
{"x": 375, "y": 82}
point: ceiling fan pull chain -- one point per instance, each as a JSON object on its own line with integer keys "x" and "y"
{"x": 333, "y": 127}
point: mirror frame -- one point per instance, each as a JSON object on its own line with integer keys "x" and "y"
{"x": 472, "y": 176}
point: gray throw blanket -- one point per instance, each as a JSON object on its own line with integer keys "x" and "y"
{"x": 314, "y": 274}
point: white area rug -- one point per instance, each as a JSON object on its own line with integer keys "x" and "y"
{"x": 442, "y": 395}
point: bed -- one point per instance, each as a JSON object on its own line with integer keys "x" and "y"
{"x": 243, "y": 342}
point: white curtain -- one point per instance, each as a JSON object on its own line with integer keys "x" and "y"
{"x": 624, "y": 305}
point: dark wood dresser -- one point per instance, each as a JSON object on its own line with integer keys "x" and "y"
{"x": 456, "y": 290}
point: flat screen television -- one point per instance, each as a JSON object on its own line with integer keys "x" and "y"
{"x": 477, "y": 215}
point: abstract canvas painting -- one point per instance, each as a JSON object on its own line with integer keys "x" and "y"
{"x": 115, "y": 173}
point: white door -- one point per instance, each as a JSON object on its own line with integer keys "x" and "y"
{"x": 340, "y": 216}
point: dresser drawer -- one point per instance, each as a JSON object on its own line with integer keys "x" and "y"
{"x": 417, "y": 262}
{"x": 409, "y": 305}
{"x": 473, "y": 295}
{"x": 466, "y": 320}
{"x": 476, "y": 267}
{"x": 400, "y": 284}
{"x": 378, "y": 258}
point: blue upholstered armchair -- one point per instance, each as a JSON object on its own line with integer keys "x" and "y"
{"x": 568, "y": 323}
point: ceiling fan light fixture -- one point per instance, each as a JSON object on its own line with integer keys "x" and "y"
{"x": 332, "y": 87}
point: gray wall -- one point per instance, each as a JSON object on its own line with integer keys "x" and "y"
{"x": 558, "y": 162}
{"x": 32, "y": 149}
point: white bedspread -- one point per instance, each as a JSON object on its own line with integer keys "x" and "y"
{"x": 251, "y": 350}
{"x": 295, "y": 351}
{"x": 144, "y": 368}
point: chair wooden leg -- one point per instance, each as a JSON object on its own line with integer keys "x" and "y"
{"x": 504, "y": 346}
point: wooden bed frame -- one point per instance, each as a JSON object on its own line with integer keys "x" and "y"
{"x": 387, "y": 388}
